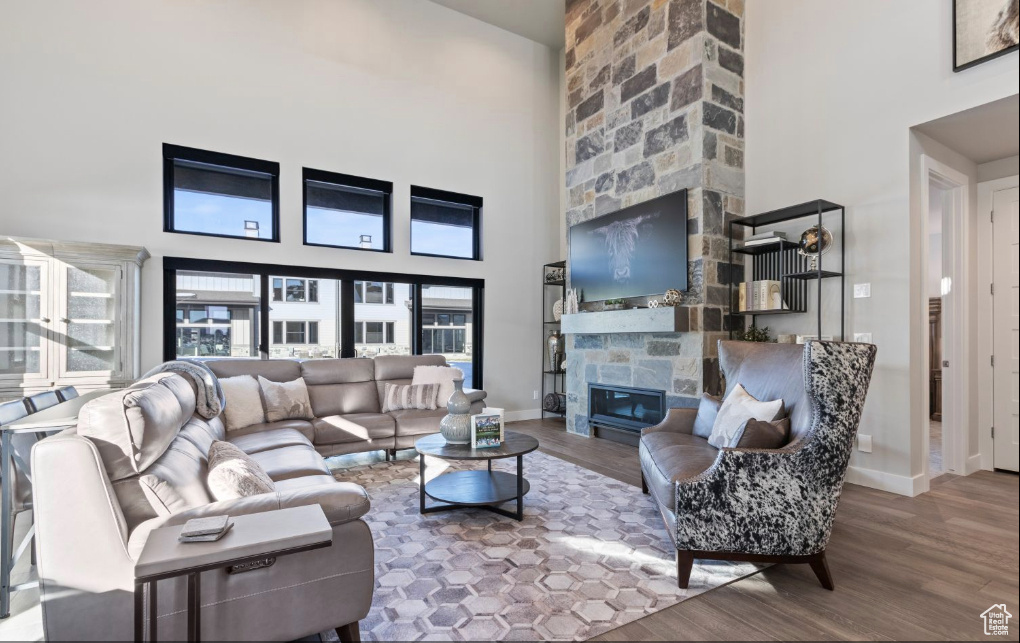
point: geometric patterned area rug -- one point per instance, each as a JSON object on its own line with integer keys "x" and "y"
{"x": 590, "y": 555}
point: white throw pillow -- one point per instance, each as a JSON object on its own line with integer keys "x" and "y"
{"x": 243, "y": 402}
{"x": 286, "y": 400}
{"x": 739, "y": 407}
{"x": 234, "y": 474}
{"x": 441, "y": 375}
{"x": 421, "y": 397}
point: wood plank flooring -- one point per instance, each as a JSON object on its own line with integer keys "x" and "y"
{"x": 921, "y": 568}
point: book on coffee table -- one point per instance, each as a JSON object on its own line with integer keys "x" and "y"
{"x": 486, "y": 430}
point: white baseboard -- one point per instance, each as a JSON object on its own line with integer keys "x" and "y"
{"x": 518, "y": 416}
{"x": 973, "y": 464}
{"x": 902, "y": 485}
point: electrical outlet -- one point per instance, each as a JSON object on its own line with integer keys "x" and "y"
{"x": 862, "y": 337}
{"x": 862, "y": 291}
{"x": 864, "y": 443}
{"x": 534, "y": 395}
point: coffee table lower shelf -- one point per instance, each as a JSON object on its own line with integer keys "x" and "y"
{"x": 484, "y": 489}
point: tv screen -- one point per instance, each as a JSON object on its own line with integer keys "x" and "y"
{"x": 637, "y": 251}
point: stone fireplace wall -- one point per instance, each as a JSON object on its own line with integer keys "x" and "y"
{"x": 655, "y": 104}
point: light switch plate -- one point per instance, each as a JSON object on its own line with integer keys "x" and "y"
{"x": 864, "y": 443}
{"x": 862, "y": 291}
{"x": 862, "y": 337}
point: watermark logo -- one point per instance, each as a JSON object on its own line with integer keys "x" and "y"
{"x": 996, "y": 620}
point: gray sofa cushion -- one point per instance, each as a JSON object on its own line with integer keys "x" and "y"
{"x": 286, "y": 486}
{"x": 401, "y": 367}
{"x": 176, "y": 481}
{"x": 134, "y": 426}
{"x": 341, "y": 399}
{"x": 291, "y": 462}
{"x": 337, "y": 371}
{"x": 269, "y": 439}
{"x": 341, "y": 386}
{"x": 304, "y": 427}
{"x": 415, "y": 422}
{"x": 278, "y": 370}
{"x": 355, "y": 427}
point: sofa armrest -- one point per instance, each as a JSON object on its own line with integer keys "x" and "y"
{"x": 341, "y": 502}
{"x": 475, "y": 394}
{"x": 678, "y": 420}
{"x": 767, "y": 492}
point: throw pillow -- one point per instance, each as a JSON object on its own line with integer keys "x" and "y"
{"x": 739, "y": 407}
{"x": 705, "y": 420}
{"x": 234, "y": 474}
{"x": 441, "y": 375}
{"x": 757, "y": 434}
{"x": 410, "y": 396}
{"x": 286, "y": 400}
{"x": 242, "y": 403}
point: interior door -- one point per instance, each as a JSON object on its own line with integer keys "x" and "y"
{"x": 1005, "y": 340}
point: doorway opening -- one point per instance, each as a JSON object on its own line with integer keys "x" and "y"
{"x": 944, "y": 202}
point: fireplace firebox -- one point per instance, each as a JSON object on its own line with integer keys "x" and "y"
{"x": 619, "y": 412}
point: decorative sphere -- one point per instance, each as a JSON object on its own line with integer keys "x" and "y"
{"x": 672, "y": 297}
{"x": 809, "y": 242}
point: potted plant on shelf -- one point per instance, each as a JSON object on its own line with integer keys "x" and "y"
{"x": 613, "y": 304}
{"x": 755, "y": 334}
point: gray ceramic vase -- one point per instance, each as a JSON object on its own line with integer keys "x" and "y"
{"x": 456, "y": 426}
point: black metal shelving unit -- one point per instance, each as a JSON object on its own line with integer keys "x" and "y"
{"x": 782, "y": 262}
{"x": 553, "y": 381}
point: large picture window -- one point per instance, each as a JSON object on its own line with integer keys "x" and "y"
{"x": 217, "y": 314}
{"x": 445, "y": 224}
{"x": 219, "y": 309}
{"x": 343, "y": 211}
{"x": 220, "y": 195}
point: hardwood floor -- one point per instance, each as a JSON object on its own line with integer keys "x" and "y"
{"x": 921, "y": 568}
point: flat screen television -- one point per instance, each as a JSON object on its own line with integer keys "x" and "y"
{"x": 635, "y": 252}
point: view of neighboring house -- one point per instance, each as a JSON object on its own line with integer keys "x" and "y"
{"x": 218, "y": 316}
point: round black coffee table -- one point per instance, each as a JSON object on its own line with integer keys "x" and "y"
{"x": 485, "y": 488}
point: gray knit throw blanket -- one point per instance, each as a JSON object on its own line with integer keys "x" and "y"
{"x": 208, "y": 395}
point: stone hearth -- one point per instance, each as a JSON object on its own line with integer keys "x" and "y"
{"x": 655, "y": 99}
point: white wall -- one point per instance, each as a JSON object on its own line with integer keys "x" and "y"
{"x": 401, "y": 90}
{"x": 832, "y": 90}
{"x": 1000, "y": 169}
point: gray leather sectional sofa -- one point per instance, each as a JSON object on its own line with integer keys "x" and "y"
{"x": 138, "y": 461}
{"x": 346, "y": 396}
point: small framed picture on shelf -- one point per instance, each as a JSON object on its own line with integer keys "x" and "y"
{"x": 487, "y": 429}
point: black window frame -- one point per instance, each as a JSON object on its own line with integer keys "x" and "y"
{"x": 346, "y": 277}
{"x": 173, "y": 153}
{"x": 350, "y": 181}
{"x": 474, "y": 202}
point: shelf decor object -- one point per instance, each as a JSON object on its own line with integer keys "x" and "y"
{"x": 792, "y": 265}
{"x": 554, "y": 293}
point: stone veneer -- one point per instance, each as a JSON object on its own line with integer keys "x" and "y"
{"x": 655, "y": 98}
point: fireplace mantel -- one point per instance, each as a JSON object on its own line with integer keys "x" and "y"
{"x": 637, "y": 320}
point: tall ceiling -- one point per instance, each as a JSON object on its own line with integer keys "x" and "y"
{"x": 543, "y": 21}
{"x": 984, "y": 133}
